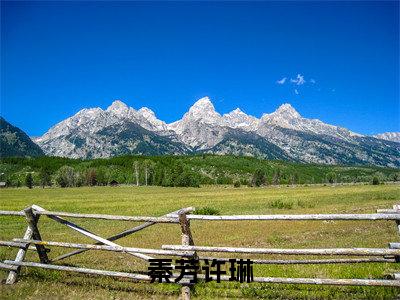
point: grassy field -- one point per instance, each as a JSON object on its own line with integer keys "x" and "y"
{"x": 125, "y": 200}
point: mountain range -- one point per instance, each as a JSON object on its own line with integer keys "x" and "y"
{"x": 283, "y": 134}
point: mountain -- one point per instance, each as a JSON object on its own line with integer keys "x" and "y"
{"x": 283, "y": 134}
{"x": 238, "y": 119}
{"x": 15, "y": 142}
{"x": 242, "y": 143}
{"x": 96, "y": 133}
{"x": 287, "y": 117}
{"x": 389, "y": 136}
{"x": 200, "y": 127}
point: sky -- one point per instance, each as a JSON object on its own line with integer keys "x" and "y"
{"x": 335, "y": 61}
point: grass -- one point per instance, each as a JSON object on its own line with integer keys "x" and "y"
{"x": 155, "y": 201}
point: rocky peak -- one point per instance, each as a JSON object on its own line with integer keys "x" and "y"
{"x": 147, "y": 113}
{"x": 89, "y": 111}
{"x": 389, "y": 136}
{"x": 118, "y": 107}
{"x": 203, "y": 110}
{"x": 235, "y": 112}
{"x": 153, "y": 122}
{"x": 288, "y": 111}
{"x": 284, "y": 114}
{"x": 238, "y": 119}
{"x": 202, "y": 105}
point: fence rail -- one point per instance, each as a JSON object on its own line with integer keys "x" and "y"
{"x": 32, "y": 241}
{"x": 173, "y": 218}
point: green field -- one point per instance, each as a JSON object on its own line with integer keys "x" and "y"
{"x": 156, "y": 201}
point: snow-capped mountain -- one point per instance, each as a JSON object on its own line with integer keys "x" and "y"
{"x": 389, "y": 136}
{"x": 88, "y": 133}
{"x": 287, "y": 117}
{"x": 93, "y": 119}
{"x": 238, "y": 119}
{"x": 201, "y": 127}
{"x": 202, "y": 110}
{"x": 282, "y": 134}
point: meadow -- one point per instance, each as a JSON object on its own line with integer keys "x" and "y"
{"x": 156, "y": 201}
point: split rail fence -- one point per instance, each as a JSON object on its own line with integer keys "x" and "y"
{"x": 32, "y": 240}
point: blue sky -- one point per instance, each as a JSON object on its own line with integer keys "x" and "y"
{"x": 59, "y": 57}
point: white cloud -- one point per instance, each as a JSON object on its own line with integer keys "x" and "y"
{"x": 312, "y": 81}
{"x": 299, "y": 80}
{"x": 282, "y": 81}
{"x": 296, "y": 91}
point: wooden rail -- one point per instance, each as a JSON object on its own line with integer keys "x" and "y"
{"x": 284, "y": 280}
{"x": 20, "y": 242}
{"x": 316, "y": 217}
{"x": 330, "y": 251}
{"x": 173, "y": 218}
{"x": 32, "y": 240}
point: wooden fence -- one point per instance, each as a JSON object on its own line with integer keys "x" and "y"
{"x": 32, "y": 240}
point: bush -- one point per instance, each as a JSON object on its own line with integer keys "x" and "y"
{"x": 280, "y": 204}
{"x": 236, "y": 184}
{"x": 207, "y": 211}
{"x": 375, "y": 180}
{"x": 330, "y": 177}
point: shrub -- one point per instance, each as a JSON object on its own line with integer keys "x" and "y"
{"x": 330, "y": 177}
{"x": 207, "y": 211}
{"x": 375, "y": 180}
{"x": 280, "y": 204}
{"x": 236, "y": 184}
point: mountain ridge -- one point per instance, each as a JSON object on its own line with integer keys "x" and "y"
{"x": 15, "y": 142}
{"x": 203, "y": 129}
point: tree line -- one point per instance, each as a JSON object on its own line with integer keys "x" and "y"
{"x": 180, "y": 171}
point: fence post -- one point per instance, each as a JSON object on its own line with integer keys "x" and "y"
{"x": 12, "y": 276}
{"x": 187, "y": 240}
{"x": 32, "y": 220}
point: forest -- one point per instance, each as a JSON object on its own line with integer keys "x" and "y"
{"x": 181, "y": 171}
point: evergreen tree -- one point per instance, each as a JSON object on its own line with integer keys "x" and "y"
{"x": 29, "y": 180}
{"x": 45, "y": 177}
